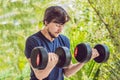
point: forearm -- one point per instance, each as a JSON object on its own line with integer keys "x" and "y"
{"x": 52, "y": 61}
{"x": 41, "y": 74}
{"x": 72, "y": 69}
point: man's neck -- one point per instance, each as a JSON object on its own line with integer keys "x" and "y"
{"x": 46, "y": 34}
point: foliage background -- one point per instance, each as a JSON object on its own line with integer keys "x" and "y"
{"x": 92, "y": 21}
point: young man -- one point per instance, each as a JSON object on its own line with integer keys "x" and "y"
{"x": 50, "y": 38}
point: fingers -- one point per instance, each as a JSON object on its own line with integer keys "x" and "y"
{"x": 94, "y": 53}
{"x": 53, "y": 57}
{"x": 52, "y": 60}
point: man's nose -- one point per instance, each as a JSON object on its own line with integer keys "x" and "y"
{"x": 60, "y": 28}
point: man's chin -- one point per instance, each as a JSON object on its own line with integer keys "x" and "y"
{"x": 55, "y": 35}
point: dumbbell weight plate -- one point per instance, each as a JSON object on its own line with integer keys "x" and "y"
{"x": 64, "y": 56}
{"x": 83, "y": 52}
{"x": 39, "y": 58}
{"x": 103, "y": 53}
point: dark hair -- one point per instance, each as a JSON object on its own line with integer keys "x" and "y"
{"x": 56, "y": 14}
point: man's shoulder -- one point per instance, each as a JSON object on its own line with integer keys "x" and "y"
{"x": 34, "y": 39}
{"x": 33, "y": 36}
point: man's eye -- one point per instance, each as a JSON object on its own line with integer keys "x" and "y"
{"x": 57, "y": 25}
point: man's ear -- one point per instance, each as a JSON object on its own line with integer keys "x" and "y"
{"x": 46, "y": 23}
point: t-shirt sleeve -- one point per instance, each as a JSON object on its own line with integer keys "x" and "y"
{"x": 29, "y": 45}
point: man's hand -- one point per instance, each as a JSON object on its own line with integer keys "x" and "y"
{"x": 94, "y": 53}
{"x": 52, "y": 60}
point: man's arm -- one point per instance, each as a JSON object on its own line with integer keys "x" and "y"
{"x": 52, "y": 61}
{"x": 73, "y": 68}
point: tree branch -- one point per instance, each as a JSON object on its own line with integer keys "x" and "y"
{"x": 101, "y": 19}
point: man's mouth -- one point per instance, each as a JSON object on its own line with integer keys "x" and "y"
{"x": 57, "y": 32}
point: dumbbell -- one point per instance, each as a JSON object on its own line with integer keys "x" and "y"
{"x": 39, "y": 57}
{"x": 83, "y": 52}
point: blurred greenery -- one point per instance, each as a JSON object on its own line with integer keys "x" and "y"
{"x": 92, "y": 21}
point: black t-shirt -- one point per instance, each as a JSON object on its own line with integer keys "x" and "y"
{"x": 38, "y": 39}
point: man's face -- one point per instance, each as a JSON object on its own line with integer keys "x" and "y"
{"x": 54, "y": 29}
